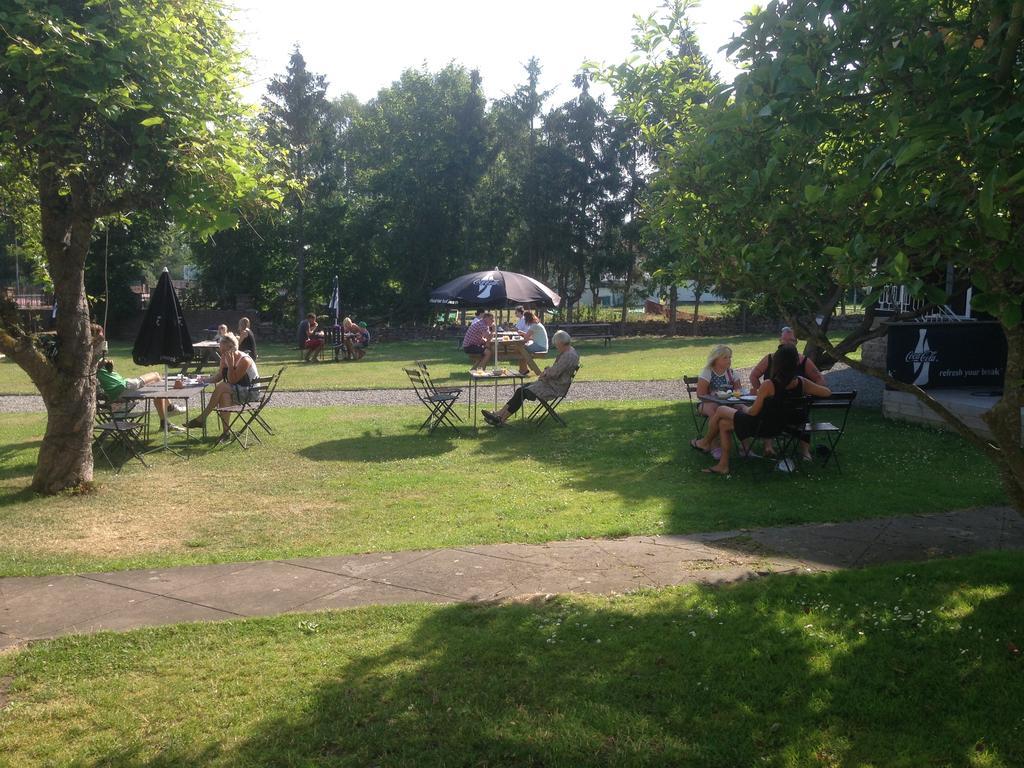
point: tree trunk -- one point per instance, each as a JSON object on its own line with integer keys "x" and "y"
{"x": 67, "y": 382}
{"x": 300, "y": 262}
{"x": 673, "y": 303}
{"x": 624, "y": 315}
{"x": 1004, "y": 419}
{"x": 697, "y": 293}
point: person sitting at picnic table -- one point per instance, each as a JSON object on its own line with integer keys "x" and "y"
{"x": 521, "y": 322}
{"x": 351, "y": 335}
{"x": 114, "y": 386}
{"x": 364, "y": 335}
{"x": 478, "y": 336}
{"x": 717, "y": 376}
{"x": 311, "y": 338}
{"x": 806, "y": 368}
{"x": 767, "y": 414}
{"x": 233, "y": 385}
{"x": 246, "y": 338}
{"x": 553, "y": 382}
{"x": 222, "y": 331}
{"x": 535, "y": 342}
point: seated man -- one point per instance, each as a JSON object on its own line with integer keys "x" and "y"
{"x": 114, "y": 385}
{"x": 311, "y": 338}
{"x": 477, "y": 339}
{"x": 553, "y": 382}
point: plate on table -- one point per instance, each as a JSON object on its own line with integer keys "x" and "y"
{"x": 748, "y": 398}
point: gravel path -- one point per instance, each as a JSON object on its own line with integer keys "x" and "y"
{"x": 869, "y": 393}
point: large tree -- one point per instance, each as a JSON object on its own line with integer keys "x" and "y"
{"x": 113, "y": 106}
{"x": 867, "y": 144}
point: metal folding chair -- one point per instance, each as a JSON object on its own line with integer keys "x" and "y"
{"x": 242, "y": 416}
{"x": 440, "y": 404}
{"x": 433, "y": 388}
{"x": 546, "y": 408}
{"x": 119, "y": 427}
{"x": 700, "y": 421}
{"x": 837, "y": 406}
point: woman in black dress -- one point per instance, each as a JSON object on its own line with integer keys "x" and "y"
{"x": 768, "y": 413}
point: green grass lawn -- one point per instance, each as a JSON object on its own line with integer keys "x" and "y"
{"x": 894, "y": 666}
{"x": 338, "y": 480}
{"x": 632, "y": 359}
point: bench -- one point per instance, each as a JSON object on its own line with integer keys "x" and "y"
{"x": 583, "y": 331}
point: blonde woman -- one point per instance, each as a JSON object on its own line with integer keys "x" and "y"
{"x": 717, "y": 376}
{"x": 234, "y": 384}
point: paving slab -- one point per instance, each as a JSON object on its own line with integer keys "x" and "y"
{"x": 167, "y": 581}
{"x": 45, "y": 612}
{"x": 461, "y": 575}
{"x": 40, "y": 607}
{"x": 263, "y": 589}
{"x": 17, "y": 586}
{"x": 153, "y": 612}
{"x": 371, "y": 593}
{"x": 371, "y": 565}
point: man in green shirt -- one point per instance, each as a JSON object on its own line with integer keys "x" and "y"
{"x": 114, "y": 385}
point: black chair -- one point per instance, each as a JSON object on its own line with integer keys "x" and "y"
{"x": 836, "y": 407}
{"x": 335, "y": 341}
{"x": 433, "y": 388}
{"x": 787, "y": 435}
{"x": 700, "y": 421}
{"x": 116, "y": 425}
{"x": 440, "y": 404}
{"x": 244, "y": 415}
{"x": 546, "y": 408}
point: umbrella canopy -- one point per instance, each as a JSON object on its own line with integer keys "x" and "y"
{"x": 494, "y": 289}
{"x": 163, "y": 337}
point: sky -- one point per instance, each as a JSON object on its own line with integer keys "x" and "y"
{"x": 363, "y": 45}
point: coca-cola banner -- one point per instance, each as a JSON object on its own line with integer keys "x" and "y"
{"x": 970, "y": 354}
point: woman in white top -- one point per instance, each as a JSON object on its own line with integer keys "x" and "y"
{"x": 235, "y": 384}
{"x": 535, "y": 341}
{"x": 717, "y": 376}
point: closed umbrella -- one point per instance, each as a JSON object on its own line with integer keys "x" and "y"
{"x": 163, "y": 336}
{"x": 494, "y": 289}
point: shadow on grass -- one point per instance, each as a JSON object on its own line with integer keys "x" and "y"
{"x": 379, "y": 447}
{"x": 792, "y": 670}
{"x": 12, "y": 466}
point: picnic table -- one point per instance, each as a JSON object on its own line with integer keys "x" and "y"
{"x": 582, "y": 331}
{"x": 203, "y": 353}
{"x": 497, "y": 376}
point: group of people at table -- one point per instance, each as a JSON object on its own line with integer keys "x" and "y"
{"x": 233, "y": 384}
{"x": 529, "y": 340}
{"x": 355, "y": 338}
{"x": 782, "y": 376}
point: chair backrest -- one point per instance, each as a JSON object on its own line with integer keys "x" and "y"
{"x": 838, "y": 403}
{"x": 428, "y": 380}
{"x": 691, "y": 386}
{"x": 419, "y": 385}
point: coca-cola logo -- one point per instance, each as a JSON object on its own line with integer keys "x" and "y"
{"x": 927, "y": 356}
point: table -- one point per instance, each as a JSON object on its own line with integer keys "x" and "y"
{"x": 475, "y": 377}
{"x": 156, "y": 392}
{"x": 731, "y": 401}
{"x": 507, "y": 342}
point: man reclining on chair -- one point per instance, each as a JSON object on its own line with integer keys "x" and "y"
{"x": 553, "y": 382}
{"x": 114, "y": 385}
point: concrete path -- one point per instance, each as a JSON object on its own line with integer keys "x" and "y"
{"x": 49, "y": 606}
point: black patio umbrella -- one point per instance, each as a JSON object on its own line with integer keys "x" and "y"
{"x": 163, "y": 337}
{"x": 494, "y": 289}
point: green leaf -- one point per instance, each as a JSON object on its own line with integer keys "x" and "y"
{"x": 910, "y": 151}
{"x": 834, "y": 251}
{"x": 988, "y": 194}
{"x": 813, "y": 194}
{"x": 151, "y": 121}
